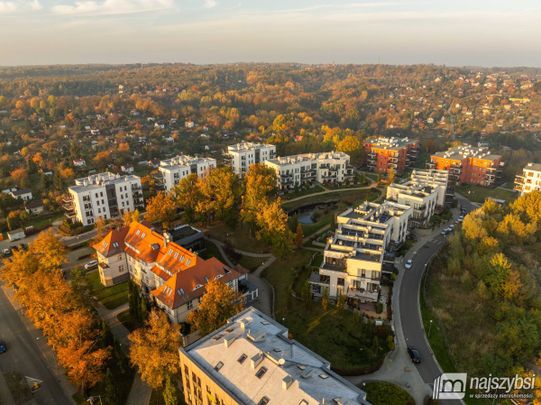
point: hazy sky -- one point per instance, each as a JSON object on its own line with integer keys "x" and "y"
{"x": 452, "y": 32}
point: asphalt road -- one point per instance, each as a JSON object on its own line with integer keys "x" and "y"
{"x": 25, "y": 356}
{"x": 409, "y": 306}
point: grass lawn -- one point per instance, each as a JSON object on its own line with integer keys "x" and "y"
{"x": 251, "y": 263}
{"x": 348, "y": 197}
{"x": 479, "y": 194}
{"x": 239, "y": 237}
{"x": 338, "y": 335}
{"x": 128, "y": 321}
{"x": 211, "y": 251}
{"x": 323, "y": 220}
{"x": 383, "y": 393}
{"x": 316, "y": 189}
{"x": 110, "y": 297}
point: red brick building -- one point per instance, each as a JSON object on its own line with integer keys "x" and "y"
{"x": 390, "y": 153}
{"x": 469, "y": 164}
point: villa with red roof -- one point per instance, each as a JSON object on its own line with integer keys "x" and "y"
{"x": 172, "y": 275}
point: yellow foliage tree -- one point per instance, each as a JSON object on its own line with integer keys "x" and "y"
{"x": 154, "y": 349}
{"x": 219, "y": 303}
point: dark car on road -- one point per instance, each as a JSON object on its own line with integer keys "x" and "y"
{"x": 3, "y": 347}
{"x": 414, "y": 354}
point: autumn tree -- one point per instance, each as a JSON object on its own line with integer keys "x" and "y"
{"x": 49, "y": 251}
{"x": 20, "y": 176}
{"x": 154, "y": 350}
{"x": 187, "y": 195}
{"x": 161, "y": 208}
{"x": 219, "y": 195}
{"x": 260, "y": 185}
{"x": 272, "y": 225}
{"x": 299, "y": 236}
{"x": 219, "y": 303}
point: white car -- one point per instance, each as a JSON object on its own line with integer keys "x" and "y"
{"x": 91, "y": 264}
{"x": 408, "y": 264}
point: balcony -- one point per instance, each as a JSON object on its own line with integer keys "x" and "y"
{"x": 362, "y": 294}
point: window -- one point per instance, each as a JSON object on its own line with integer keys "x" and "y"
{"x": 121, "y": 268}
{"x": 218, "y": 366}
{"x": 263, "y": 401}
{"x": 261, "y": 372}
{"x": 242, "y": 358}
{"x": 189, "y": 305}
{"x": 340, "y": 281}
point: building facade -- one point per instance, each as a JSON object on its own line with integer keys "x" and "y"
{"x": 166, "y": 272}
{"x": 437, "y": 179}
{"x": 530, "y": 179}
{"x": 251, "y": 360}
{"x": 104, "y": 195}
{"x": 384, "y": 154}
{"x": 305, "y": 169}
{"x": 353, "y": 256}
{"x": 175, "y": 169}
{"x": 421, "y": 199}
{"x": 244, "y": 154}
{"x": 468, "y": 164}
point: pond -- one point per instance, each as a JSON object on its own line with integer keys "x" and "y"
{"x": 306, "y": 217}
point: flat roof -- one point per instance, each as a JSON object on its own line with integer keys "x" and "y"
{"x": 247, "y": 146}
{"x": 273, "y": 366}
{"x": 533, "y": 166}
{"x": 184, "y": 160}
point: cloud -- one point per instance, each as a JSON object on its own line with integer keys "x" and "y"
{"x": 7, "y": 7}
{"x": 35, "y": 5}
{"x": 210, "y": 3}
{"x": 111, "y": 7}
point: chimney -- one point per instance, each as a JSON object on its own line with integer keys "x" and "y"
{"x": 286, "y": 382}
{"x": 166, "y": 237}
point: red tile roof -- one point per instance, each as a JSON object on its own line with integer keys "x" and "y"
{"x": 181, "y": 269}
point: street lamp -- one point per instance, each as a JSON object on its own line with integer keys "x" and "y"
{"x": 429, "y": 327}
{"x": 91, "y": 399}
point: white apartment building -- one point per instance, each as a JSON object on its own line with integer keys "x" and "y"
{"x": 437, "y": 179}
{"x": 104, "y": 195}
{"x": 175, "y": 169}
{"x": 530, "y": 180}
{"x": 244, "y": 154}
{"x": 353, "y": 256}
{"x": 422, "y": 199}
{"x": 307, "y": 168}
{"x": 251, "y": 360}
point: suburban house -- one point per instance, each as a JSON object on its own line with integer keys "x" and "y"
{"x": 19, "y": 193}
{"x": 305, "y": 169}
{"x": 384, "y": 154}
{"x": 468, "y": 164}
{"x": 353, "y": 256}
{"x": 104, "y": 195}
{"x": 530, "y": 179}
{"x": 241, "y": 155}
{"x": 251, "y": 360}
{"x": 34, "y": 207}
{"x": 171, "y": 275}
{"x": 175, "y": 169}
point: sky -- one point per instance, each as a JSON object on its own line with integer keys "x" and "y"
{"x": 450, "y": 32}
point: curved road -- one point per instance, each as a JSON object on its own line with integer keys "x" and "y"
{"x": 409, "y": 303}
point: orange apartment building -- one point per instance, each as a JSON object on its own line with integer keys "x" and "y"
{"x": 390, "y": 153}
{"x": 469, "y": 164}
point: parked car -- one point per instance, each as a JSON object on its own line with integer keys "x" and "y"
{"x": 414, "y": 354}
{"x": 408, "y": 264}
{"x": 7, "y": 252}
{"x": 91, "y": 264}
{"x": 3, "y": 347}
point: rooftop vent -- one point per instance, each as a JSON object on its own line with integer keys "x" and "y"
{"x": 255, "y": 360}
{"x": 287, "y": 381}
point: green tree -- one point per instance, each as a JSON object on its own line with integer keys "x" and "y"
{"x": 171, "y": 394}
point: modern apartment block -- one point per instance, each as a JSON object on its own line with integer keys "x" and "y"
{"x": 530, "y": 180}
{"x": 104, "y": 195}
{"x": 244, "y": 154}
{"x": 390, "y": 153}
{"x": 251, "y": 360}
{"x": 426, "y": 190}
{"x": 469, "y": 164}
{"x": 305, "y": 169}
{"x": 175, "y": 169}
{"x": 171, "y": 275}
{"x": 437, "y": 179}
{"x": 353, "y": 256}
